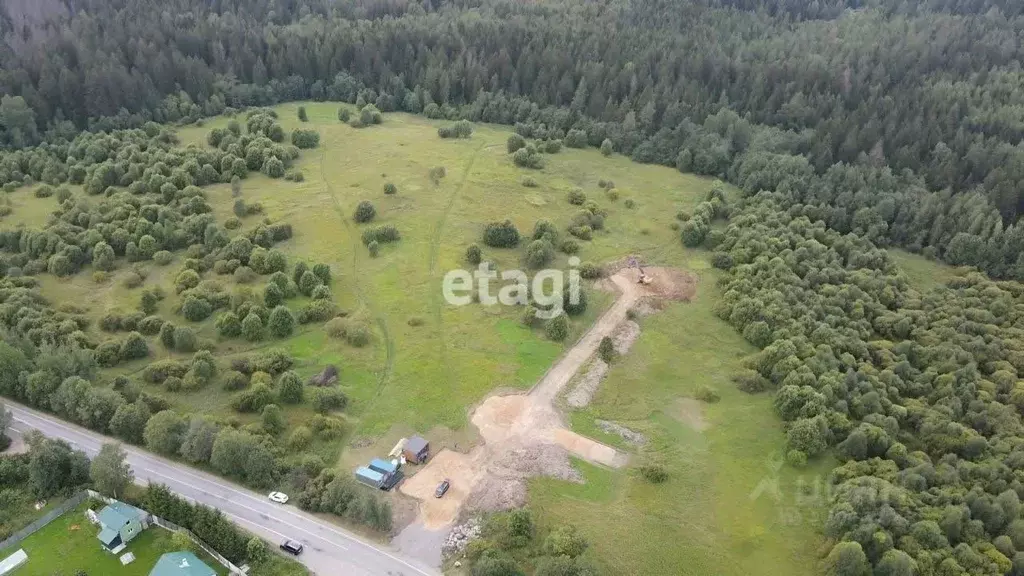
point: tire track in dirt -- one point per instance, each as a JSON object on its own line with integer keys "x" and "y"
{"x": 435, "y": 249}
{"x": 389, "y": 344}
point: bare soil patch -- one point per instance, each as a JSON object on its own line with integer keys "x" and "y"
{"x": 459, "y": 469}
{"x": 690, "y": 411}
{"x": 589, "y": 449}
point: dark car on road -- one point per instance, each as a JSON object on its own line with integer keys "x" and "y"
{"x": 291, "y": 547}
{"x": 442, "y": 488}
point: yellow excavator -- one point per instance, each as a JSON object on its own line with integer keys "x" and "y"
{"x": 644, "y": 278}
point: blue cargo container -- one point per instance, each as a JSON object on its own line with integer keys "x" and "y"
{"x": 383, "y": 466}
{"x": 369, "y": 477}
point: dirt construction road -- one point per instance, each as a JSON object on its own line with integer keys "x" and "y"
{"x": 562, "y": 372}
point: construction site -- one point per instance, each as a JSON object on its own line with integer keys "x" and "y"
{"x": 525, "y": 435}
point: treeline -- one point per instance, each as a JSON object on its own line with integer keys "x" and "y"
{"x": 917, "y": 393}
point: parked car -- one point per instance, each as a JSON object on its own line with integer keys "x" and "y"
{"x": 279, "y": 497}
{"x": 291, "y": 547}
{"x": 442, "y": 488}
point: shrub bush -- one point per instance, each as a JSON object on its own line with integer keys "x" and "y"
{"x": 590, "y": 271}
{"x": 134, "y": 347}
{"x": 539, "y": 253}
{"x": 722, "y": 261}
{"x": 796, "y": 458}
{"x": 234, "y": 380}
{"x": 282, "y": 322}
{"x": 528, "y": 158}
{"x": 290, "y": 389}
{"x": 370, "y": 115}
{"x": 606, "y": 350}
{"x": 228, "y": 325}
{"x": 196, "y": 309}
{"x": 473, "y": 254}
{"x": 108, "y": 354}
{"x": 574, "y": 308}
{"x": 577, "y": 197}
{"x": 252, "y": 328}
{"x": 529, "y": 181}
{"x": 299, "y": 439}
{"x": 501, "y": 235}
{"x": 253, "y": 399}
{"x": 185, "y": 280}
{"x": 185, "y": 339}
{"x": 305, "y": 139}
{"x": 157, "y": 372}
{"x": 381, "y": 234}
{"x": 607, "y": 147}
{"x": 576, "y": 139}
{"x": 582, "y": 231}
{"x": 150, "y": 325}
{"x": 751, "y": 382}
{"x": 326, "y": 400}
{"x": 569, "y": 246}
{"x": 390, "y": 189}
{"x": 319, "y": 310}
{"x": 245, "y": 275}
{"x": 557, "y": 328}
{"x": 322, "y": 293}
{"x": 364, "y": 212}
{"x": 355, "y": 332}
{"x": 514, "y": 143}
{"x": 374, "y": 248}
{"x": 706, "y": 393}
{"x": 653, "y": 473}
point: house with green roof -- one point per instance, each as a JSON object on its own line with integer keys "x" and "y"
{"x": 181, "y": 564}
{"x": 120, "y": 523}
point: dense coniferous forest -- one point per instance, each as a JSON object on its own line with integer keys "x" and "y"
{"x": 847, "y": 100}
{"x": 848, "y": 125}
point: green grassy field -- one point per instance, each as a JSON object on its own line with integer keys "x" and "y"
{"x": 69, "y": 545}
{"x": 719, "y": 512}
{"x": 924, "y": 274}
{"x": 429, "y": 362}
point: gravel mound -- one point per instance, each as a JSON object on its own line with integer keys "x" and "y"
{"x": 628, "y": 435}
{"x": 460, "y": 536}
{"x": 503, "y": 487}
{"x": 584, "y": 391}
{"x": 623, "y": 338}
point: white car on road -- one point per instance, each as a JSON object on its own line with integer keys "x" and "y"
{"x": 279, "y": 497}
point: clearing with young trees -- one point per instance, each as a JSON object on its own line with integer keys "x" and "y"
{"x": 407, "y": 361}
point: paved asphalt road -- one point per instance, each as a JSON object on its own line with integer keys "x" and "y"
{"x": 329, "y": 550}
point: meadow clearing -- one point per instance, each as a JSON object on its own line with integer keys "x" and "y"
{"x": 429, "y": 363}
